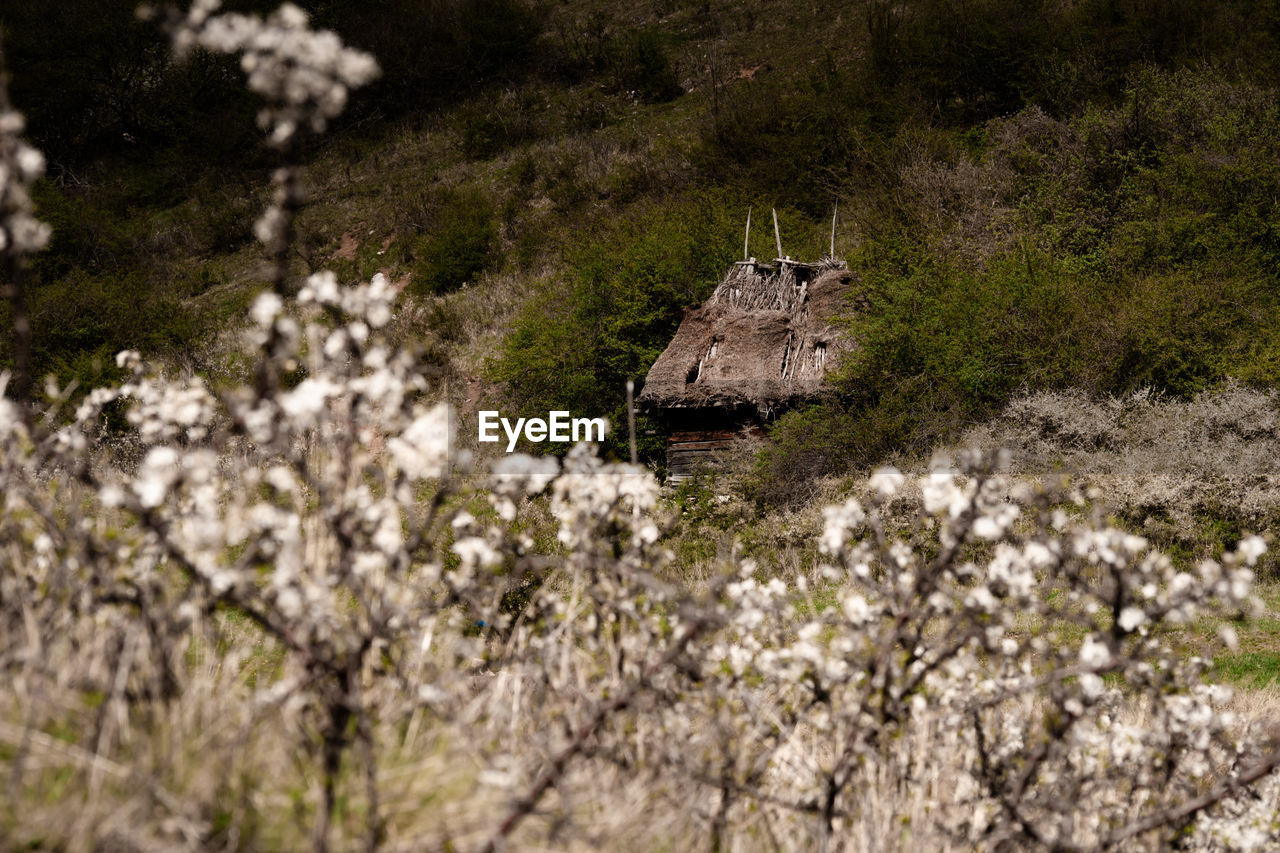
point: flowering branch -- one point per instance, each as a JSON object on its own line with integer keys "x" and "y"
{"x": 21, "y": 234}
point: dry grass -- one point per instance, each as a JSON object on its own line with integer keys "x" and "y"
{"x": 1190, "y": 474}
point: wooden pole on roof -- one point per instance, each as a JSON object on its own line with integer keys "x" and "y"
{"x": 777, "y": 235}
{"x": 833, "y": 228}
{"x": 631, "y": 419}
{"x": 746, "y": 241}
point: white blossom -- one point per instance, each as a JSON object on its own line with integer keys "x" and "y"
{"x": 886, "y": 481}
{"x": 304, "y": 75}
{"x": 157, "y": 474}
{"x": 265, "y": 309}
{"x": 308, "y": 401}
{"x": 20, "y": 232}
{"x": 838, "y": 522}
{"x": 422, "y": 450}
{"x": 522, "y": 473}
{"x": 1131, "y": 618}
{"x": 475, "y": 552}
{"x": 1094, "y": 654}
{"x": 1250, "y": 549}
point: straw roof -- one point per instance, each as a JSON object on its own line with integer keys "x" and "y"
{"x": 763, "y": 341}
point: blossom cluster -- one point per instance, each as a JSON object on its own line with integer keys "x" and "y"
{"x": 1012, "y": 621}
{"x": 20, "y": 167}
{"x": 305, "y": 76}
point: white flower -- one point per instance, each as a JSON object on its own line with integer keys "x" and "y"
{"x": 886, "y": 481}
{"x": 111, "y": 495}
{"x": 1091, "y": 685}
{"x": 1131, "y": 618}
{"x": 939, "y": 491}
{"x": 1094, "y": 654}
{"x": 648, "y": 533}
{"x": 270, "y": 225}
{"x": 994, "y": 522}
{"x": 520, "y": 472}
{"x": 156, "y": 475}
{"x": 1009, "y": 567}
{"x": 838, "y": 521}
{"x": 30, "y": 163}
{"x": 857, "y": 610}
{"x": 20, "y": 231}
{"x": 289, "y": 602}
{"x": 321, "y": 288}
{"x": 422, "y": 450}
{"x": 381, "y": 295}
{"x": 982, "y": 599}
{"x": 266, "y": 308}
{"x": 281, "y": 479}
{"x": 1250, "y": 549}
{"x": 305, "y": 403}
{"x": 476, "y": 553}
{"x": 304, "y": 75}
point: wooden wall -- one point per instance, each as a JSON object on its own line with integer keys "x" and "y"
{"x": 694, "y": 449}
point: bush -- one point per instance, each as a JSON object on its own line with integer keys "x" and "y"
{"x": 81, "y": 321}
{"x": 635, "y": 61}
{"x": 575, "y": 346}
{"x": 1183, "y": 472}
{"x": 1125, "y": 247}
{"x": 640, "y": 65}
{"x": 460, "y": 242}
{"x": 802, "y": 145}
{"x": 490, "y": 126}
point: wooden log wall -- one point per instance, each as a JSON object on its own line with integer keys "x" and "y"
{"x": 692, "y": 450}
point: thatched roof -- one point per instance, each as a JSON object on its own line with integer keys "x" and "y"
{"x": 764, "y": 340}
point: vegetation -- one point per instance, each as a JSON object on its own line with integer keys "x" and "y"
{"x": 1120, "y": 249}
{"x": 269, "y": 600}
{"x": 458, "y": 246}
{"x": 1095, "y": 179}
{"x": 630, "y": 281}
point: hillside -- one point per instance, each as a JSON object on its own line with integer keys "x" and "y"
{"x": 1080, "y": 200}
{"x": 1083, "y": 198}
{"x": 990, "y": 589}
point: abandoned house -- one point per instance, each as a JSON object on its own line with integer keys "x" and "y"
{"x": 762, "y": 343}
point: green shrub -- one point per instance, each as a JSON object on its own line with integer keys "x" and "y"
{"x": 640, "y": 65}
{"x": 582, "y": 46}
{"x": 942, "y": 348}
{"x": 635, "y": 61}
{"x": 797, "y": 144}
{"x": 460, "y": 243}
{"x": 489, "y": 126}
{"x": 576, "y": 344}
{"x": 218, "y": 213}
{"x": 81, "y": 321}
{"x": 1128, "y": 246}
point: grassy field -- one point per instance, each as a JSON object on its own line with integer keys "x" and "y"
{"x": 1256, "y": 663}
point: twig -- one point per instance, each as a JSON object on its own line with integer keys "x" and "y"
{"x": 1177, "y": 814}
{"x": 15, "y": 270}
{"x": 78, "y": 755}
{"x": 554, "y": 772}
